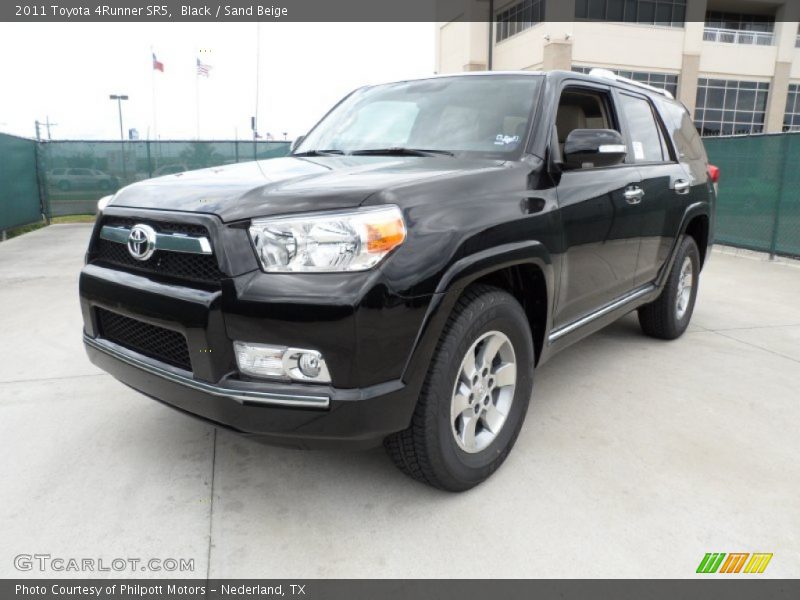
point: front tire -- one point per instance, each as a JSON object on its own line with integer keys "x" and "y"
{"x": 475, "y": 395}
{"x": 668, "y": 316}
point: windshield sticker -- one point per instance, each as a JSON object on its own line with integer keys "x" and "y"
{"x": 505, "y": 140}
{"x": 638, "y": 150}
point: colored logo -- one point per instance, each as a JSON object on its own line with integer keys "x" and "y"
{"x": 734, "y": 562}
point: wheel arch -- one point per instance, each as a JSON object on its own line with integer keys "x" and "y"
{"x": 696, "y": 223}
{"x": 523, "y": 269}
{"x": 697, "y": 227}
{"x": 526, "y": 282}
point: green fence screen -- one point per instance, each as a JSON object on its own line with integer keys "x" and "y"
{"x": 758, "y": 206}
{"x": 77, "y": 173}
{"x": 759, "y": 191}
{"x": 19, "y": 191}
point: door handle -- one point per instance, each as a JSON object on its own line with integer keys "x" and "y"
{"x": 634, "y": 195}
{"x": 682, "y": 186}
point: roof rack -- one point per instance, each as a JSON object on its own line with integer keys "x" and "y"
{"x": 606, "y": 74}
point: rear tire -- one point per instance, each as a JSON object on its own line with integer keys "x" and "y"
{"x": 668, "y": 316}
{"x": 475, "y": 396}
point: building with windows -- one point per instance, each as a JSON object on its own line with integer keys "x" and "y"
{"x": 735, "y": 64}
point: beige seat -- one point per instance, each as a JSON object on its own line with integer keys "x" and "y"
{"x": 569, "y": 118}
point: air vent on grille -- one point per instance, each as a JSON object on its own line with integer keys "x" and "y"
{"x": 156, "y": 342}
{"x": 201, "y": 268}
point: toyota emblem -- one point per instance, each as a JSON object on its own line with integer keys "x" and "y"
{"x": 142, "y": 242}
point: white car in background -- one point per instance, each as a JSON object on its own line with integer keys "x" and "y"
{"x": 78, "y": 178}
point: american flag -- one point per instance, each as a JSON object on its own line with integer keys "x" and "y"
{"x": 203, "y": 69}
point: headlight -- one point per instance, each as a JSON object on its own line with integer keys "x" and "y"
{"x": 103, "y": 202}
{"x": 355, "y": 240}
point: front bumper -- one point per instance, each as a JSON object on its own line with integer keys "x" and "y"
{"x": 281, "y": 414}
{"x": 365, "y": 334}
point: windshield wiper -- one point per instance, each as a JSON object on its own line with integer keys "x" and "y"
{"x": 319, "y": 153}
{"x": 401, "y": 152}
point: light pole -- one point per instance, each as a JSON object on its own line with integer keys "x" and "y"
{"x": 119, "y": 98}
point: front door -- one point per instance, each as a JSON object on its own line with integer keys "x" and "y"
{"x": 599, "y": 207}
{"x": 601, "y": 239}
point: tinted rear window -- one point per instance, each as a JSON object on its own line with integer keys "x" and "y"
{"x": 682, "y": 129}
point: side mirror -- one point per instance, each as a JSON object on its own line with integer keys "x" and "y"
{"x": 296, "y": 143}
{"x": 594, "y": 148}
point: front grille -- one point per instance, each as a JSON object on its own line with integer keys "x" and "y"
{"x": 163, "y": 227}
{"x": 156, "y": 342}
{"x": 198, "y": 268}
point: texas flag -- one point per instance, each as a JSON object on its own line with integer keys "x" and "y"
{"x": 157, "y": 66}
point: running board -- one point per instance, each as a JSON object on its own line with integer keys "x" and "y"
{"x": 608, "y": 308}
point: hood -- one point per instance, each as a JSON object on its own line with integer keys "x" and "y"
{"x": 287, "y": 185}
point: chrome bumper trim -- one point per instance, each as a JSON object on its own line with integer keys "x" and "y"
{"x": 240, "y": 396}
{"x": 170, "y": 242}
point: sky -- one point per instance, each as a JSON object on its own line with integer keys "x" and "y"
{"x": 66, "y": 71}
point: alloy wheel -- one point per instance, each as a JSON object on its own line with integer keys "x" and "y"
{"x": 483, "y": 392}
{"x": 685, "y": 284}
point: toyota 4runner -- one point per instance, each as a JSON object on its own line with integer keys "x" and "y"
{"x": 400, "y": 276}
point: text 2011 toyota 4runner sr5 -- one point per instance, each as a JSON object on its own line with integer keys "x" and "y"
{"x": 400, "y": 276}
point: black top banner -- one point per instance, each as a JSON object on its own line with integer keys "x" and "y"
{"x": 306, "y": 10}
{"x": 233, "y": 10}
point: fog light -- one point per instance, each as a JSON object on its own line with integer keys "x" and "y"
{"x": 281, "y": 362}
{"x": 309, "y": 364}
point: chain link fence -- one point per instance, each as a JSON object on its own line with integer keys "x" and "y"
{"x": 59, "y": 178}
{"x": 759, "y": 191}
{"x": 77, "y": 173}
{"x": 20, "y": 203}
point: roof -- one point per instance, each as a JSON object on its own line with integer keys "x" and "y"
{"x": 596, "y": 75}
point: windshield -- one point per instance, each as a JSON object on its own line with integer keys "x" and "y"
{"x": 478, "y": 115}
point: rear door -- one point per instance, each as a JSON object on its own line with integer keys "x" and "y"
{"x": 665, "y": 183}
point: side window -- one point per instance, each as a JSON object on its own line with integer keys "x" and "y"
{"x": 688, "y": 142}
{"x": 582, "y": 108}
{"x": 647, "y": 144}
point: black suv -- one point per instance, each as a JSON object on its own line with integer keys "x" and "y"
{"x": 400, "y": 276}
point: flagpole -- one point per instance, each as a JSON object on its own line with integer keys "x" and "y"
{"x": 153, "y": 87}
{"x": 258, "y": 83}
{"x": 197, "y": 100}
